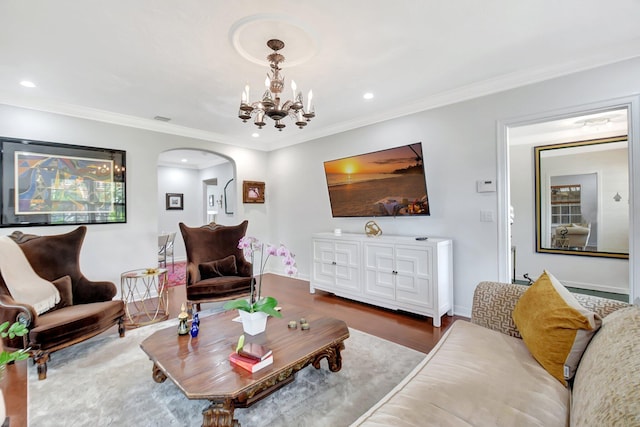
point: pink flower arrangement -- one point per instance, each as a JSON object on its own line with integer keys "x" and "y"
{"x": 251, "y": 245}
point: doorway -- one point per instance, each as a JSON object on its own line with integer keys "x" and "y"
{"x": 521, "y": 194}
{"x": 194, "y": 175}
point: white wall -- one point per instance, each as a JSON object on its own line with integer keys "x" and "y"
{"x": 223, "y": 172}
{"x": 459, "y": 143}
{"x": 110, "y": 249}
{"x": 186, "y": 182}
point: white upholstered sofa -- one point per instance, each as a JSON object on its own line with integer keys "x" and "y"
{"x": 482, "y": 374}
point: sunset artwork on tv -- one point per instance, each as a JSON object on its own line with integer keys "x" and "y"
{"x": 383, "y": 183}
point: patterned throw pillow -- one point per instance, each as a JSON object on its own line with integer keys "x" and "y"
{"x": 605, "y": 390}
{"x": 554, "y": 326}
{"x": 218, "y": 268}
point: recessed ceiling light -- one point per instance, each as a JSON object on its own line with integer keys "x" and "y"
{"x": 255, "y": 134}
{"x": 184, "y": 160}
{"x": 27, "y": 83}
{"x": 368, "y": 95}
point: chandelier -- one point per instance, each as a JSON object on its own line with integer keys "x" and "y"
{"x": 271, "y": 105}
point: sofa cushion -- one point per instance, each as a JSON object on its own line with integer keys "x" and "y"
{"x": 474, "y": 377}
{"x": 218, "y": 268}
{"x": 605, "y": 390}
{"x": 554, "y": 326}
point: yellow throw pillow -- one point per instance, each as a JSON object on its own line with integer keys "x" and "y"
{"x": 554, "y": 326}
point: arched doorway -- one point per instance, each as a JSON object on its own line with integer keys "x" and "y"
{"x": 198, "y": 178}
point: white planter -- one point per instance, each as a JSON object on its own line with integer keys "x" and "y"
{"x": 253, "y": 323}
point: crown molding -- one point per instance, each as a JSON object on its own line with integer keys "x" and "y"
{"x": 463, "y": 93}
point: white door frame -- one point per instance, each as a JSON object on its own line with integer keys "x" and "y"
{"x": 502, "y": 132}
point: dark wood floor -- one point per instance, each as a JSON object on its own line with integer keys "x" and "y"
{"x": 410, "y": 330}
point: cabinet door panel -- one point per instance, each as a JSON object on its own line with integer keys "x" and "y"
{"x": 347, "y": 266}
{"x": 324, "y": 274}
{"x": 323, "y": 251}
{"x": 414, "y": 279}
{"x": 379, "y": 280}
{"x": 324, "y": 268}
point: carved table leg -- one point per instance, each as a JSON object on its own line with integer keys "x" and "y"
{"x": 157, "y": 374}
{"x": 333, "y": 356}
{"x": 219, "y": 414}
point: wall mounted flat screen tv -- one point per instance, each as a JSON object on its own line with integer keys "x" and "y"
{"x": 389, "y": 182}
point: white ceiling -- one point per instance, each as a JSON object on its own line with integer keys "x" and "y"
{"x": 129, "y": 61}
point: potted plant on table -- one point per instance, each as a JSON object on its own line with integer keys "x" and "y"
{"x": 256, "y": 309}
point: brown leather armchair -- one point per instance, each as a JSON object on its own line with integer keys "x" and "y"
{"x": 86, "y": 308}
{"x": 216, "y": 269}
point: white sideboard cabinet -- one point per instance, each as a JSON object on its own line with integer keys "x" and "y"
{"x": 395, "y": 272}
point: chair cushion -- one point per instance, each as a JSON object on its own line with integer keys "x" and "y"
{"x": 72, "y": 323}
{"x": 554, "y": 326}
{"x": 218, "y": 268}
{"x": 218, "y": 287}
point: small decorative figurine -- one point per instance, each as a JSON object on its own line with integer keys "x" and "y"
{"x": 196, "y": 319}
{"x": 183, "y": 317}
{"x": 194, "y": 329}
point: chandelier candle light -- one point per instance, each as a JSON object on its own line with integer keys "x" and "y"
{"x": 271, "y": 105}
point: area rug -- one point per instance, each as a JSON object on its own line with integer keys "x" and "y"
{"x": 106, "y": 381}
{"x": 177, "y": 274}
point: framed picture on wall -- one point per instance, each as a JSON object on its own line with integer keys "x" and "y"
{"x": 48, "y": 183}
{"x": 252, "y": 192}
{"x": 174, "y": 201}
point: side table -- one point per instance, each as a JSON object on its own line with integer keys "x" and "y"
{"x": 145, "y": 296}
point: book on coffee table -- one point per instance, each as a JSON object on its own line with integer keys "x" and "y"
{"x": 251, "y": 365}
{"x": 255, "y": 351}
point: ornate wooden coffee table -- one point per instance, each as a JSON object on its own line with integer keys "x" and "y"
{"x": 201, "y": 369}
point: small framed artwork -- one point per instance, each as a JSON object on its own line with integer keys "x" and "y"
{"x": 175, "y": 201}
{"x": 252, "y": 192}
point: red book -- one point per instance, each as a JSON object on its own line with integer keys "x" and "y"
{"x": 250, "y": 365}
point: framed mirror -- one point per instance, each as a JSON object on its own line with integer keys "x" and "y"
{"x": 582, "y": 198}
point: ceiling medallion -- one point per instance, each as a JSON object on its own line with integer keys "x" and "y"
{"x": 271, "y": 105}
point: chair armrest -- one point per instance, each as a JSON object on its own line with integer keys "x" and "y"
{"x": 493, "y": 304}
{"x": 13, "y": 311}
{"x": 87, "y": 291}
